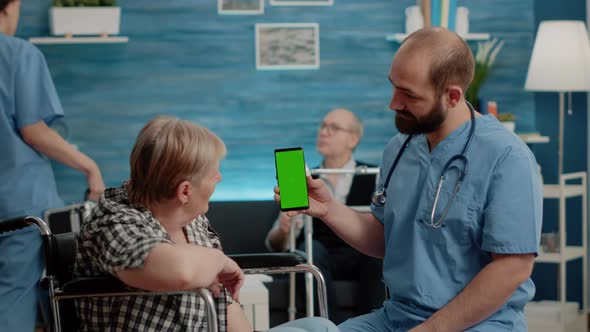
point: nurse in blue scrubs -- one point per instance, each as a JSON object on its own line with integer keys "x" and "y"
{"x": 457, "y": 216}
{"x": 28, "y": 104}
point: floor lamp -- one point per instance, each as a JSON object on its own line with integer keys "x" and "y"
{"x": 560, "y": 63}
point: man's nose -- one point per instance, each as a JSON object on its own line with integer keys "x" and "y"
{"x": 395, "y": 104}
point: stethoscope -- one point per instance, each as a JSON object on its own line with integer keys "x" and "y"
{"x": 380, "y": 195}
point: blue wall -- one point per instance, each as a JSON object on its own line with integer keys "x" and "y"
{"x": 185, "y": 60}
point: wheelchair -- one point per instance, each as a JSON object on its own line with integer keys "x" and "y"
{"x": 59, "y": 251}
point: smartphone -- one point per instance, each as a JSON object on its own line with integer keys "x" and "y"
{"x": 290, "y": 167}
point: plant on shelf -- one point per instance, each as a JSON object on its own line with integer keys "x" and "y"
{"x": 84, "y": 17}
{"x": 485, "y": 56}
{"x": 508, "y": 120}
{"x": 506, "y": 117}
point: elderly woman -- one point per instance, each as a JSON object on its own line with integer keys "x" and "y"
{"x": 152, "y": 234}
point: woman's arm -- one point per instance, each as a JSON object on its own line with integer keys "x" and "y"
{"x": 184, "y": 267}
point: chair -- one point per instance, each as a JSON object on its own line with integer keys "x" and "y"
{"x": 59, "y": 250}
{"x": 68, "y": 218}
{"x": 242, "y": 226}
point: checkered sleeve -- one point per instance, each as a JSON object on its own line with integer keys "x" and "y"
{"x": 126, "y": 244}
{"x": 222, "y": 304}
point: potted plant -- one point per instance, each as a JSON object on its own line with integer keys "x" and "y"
{"x": 485, "y": 56}
{"x": 508, "y": 120}
{"x": 84, "y": 17}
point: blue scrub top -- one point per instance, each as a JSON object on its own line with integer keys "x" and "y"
{"x": 498, "y": 209}
{"x": 27, "y": 96}
{"x": 27, "y": 184}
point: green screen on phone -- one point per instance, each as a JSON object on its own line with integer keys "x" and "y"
{"x": 290, "y": 165}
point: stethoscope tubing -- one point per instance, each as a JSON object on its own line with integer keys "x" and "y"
{"x": 380, "y": 195}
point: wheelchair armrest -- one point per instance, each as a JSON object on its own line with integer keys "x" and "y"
{"x": 94, "y": 285}
{"x": 257, "y": 261}
{"x": 110, "y": 286}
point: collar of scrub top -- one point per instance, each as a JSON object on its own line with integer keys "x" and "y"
{"x": 380, "y": 195}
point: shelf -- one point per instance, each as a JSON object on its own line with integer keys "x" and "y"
{"x": 399, "y": 37}
{"x": 78, "y": 40}
{"x": 533, "y": 138}
{"x": 570, "y": 253}
{"x": 553, "y": 190}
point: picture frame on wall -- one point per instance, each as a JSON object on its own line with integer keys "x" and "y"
{"x": 301, "y": 2}
{"x": 240, "y": 7}
{"x": 287, "y": 46}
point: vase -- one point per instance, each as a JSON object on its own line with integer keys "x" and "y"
{"x": 84, "y": 20}
{"x": 414, "y": 19}
{"x": 510, "y": 125}
{"x": 462, "y": 21}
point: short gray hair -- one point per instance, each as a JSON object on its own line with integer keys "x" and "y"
{"x": 168, "y": 151}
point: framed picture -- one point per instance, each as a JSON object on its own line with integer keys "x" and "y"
{"x": 285, "y": 46}
{"x": 301, "y": 2}
{"x": 240, "y": 7}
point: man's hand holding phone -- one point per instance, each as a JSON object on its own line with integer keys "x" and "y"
{"x": 319, "y": 199}
{"x": 299, "y": 192}
{"x": 290, "y": 172}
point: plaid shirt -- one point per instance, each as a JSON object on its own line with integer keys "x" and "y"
{"x": 118, "y": 237}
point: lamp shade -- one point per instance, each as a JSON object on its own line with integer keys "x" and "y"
{"x": 561, "y": 58}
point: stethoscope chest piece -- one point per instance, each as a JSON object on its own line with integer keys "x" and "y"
{"x": 379, "y": 197}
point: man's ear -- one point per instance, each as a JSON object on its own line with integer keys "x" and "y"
{"x": 454, "y": 94}
{"x": 184, "y": 191}
{"x": 5, "y": 10}
{"x": 354, "y": 140}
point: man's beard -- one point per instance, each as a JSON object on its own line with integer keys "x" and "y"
{"x": 408, "y": 124}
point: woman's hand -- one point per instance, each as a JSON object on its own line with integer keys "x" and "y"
{"x": 231, "y": 277}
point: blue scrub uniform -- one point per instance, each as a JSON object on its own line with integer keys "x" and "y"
{"x": 498, "y": 209}
{"x": 27, "y": 184}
